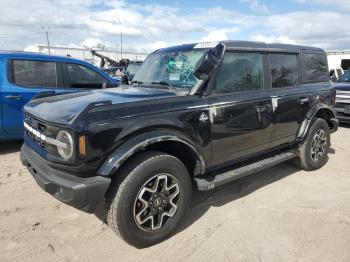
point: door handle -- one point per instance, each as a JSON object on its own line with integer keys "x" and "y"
{"x": 262, "y": 109}
{"x": 303, "y": 100}
{"x": 265, "y": 108}
{"x": 14, "y": 97}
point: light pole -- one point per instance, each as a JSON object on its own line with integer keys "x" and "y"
{"x": 46, "y": 29}
{"x": 121, "y": 38}
{"x": 121, "y": 45}
{"x": 116, "y": 51}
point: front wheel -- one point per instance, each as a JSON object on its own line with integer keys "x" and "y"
{"x": 314, "y": 151}
{"x": 148, "y": 198}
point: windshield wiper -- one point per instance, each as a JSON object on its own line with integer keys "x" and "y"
{"x": 155, "y": 83}
{"x": 163, "y": 83}
{"x": 137, "y": 82}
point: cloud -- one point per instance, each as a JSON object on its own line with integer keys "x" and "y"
{"x": 92, "y": 42}
{"x": 339, "y": 4}
{"x": 75, "y": 21}
{"x": 147, "y": 27}
{"x": 256, "y": 6}
{"x": 273, "y": 39}
{"x": 324, "y": 29}
{"x": 215, "y": 36}
{"x": 156, "y": 45}
{"x": 218, "y": 34}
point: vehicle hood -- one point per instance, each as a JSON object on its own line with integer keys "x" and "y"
{"x": 61, "y": 109}
{"x": 342, "y": 86}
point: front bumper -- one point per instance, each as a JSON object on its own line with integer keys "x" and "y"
{"x": 82, "y": 193}
{"x": 343, "y": 119}
{"x": 341, "y": 116}
{"x": 342, "y": 101}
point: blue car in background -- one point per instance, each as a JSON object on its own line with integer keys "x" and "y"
{"x": 24, "y": 75}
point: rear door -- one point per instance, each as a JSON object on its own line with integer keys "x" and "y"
{"x": 25, "y": 78}
{"x": 290, "y": 101}
{"x": 240, "y": 108}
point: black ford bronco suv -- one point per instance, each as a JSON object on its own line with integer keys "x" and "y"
{"x": 197, "y": 114}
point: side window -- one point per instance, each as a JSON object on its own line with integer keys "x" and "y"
{"x": 30, "y": 73}
{"x": 83, "y": 77}
{"x": 240, "y": 72}
{"x": 284, "y": 70}
{"x": 315, "y": 68}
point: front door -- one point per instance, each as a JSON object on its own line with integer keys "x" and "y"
{"x": 25, "y": 79}
{"x": 79, "y": 77}
{"x": 241, "y": 110}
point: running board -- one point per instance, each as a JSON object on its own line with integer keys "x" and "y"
{"x": 213, "y": 181}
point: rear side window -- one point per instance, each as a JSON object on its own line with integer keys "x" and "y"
{"x": 315, "y": 68}
{"x": 240, "y": 72}
{"x": 284, "y": 70}
{"x": 31, "y": 73}
{"x": 83, "y": 77}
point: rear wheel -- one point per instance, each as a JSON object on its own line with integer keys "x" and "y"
{"x": 148, "y": 198}
{"x": 314, "y": 151}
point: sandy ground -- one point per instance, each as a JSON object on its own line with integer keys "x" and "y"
{"x": 280, "y": 214}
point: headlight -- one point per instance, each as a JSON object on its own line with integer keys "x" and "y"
{"x": 65, "y": 152}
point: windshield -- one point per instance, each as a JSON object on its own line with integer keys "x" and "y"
{"x": 345, "y": 77}
{"x": 132, "y": 69}
{"x": 174, "y": 69}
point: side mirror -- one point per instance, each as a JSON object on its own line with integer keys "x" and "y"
{"x": 107, "y": 84}
{"x": 333, "y": 78}
{"x": 207, "y": 65}
{"x": 125, "y": 80}
{"x": 209, "y": 61}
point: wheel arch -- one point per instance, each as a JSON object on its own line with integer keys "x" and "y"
{"x": 323, "y": 111}
{"x": 168, "y": 142}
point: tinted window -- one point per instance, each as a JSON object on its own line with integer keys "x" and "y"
{"x": 240, "y": 72}
{"x": 345, "y": 64}
{"x": 83, "y": 77}
{"x": 34, "y": 73}
{"x": 315, "y": 68}
{"x": 284, "y": 70}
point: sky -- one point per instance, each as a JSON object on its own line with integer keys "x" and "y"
{"x": 149, "y": 25}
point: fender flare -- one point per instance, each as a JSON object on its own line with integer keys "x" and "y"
{"x": 136, "y": 144}
{"x": 310, "y": 119}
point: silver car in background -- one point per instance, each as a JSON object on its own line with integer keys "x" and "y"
{"x": 342, "y": 106}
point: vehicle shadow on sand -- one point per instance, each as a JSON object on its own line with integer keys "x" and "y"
{"x": 203, "y": 200}
{"x": 10, "y": 147}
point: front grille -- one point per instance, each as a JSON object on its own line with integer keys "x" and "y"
{"x": 39, "y": 125}
{"x": 49, "y": 131}
{"x": 36, "y": 125}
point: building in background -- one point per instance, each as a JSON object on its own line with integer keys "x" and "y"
{"x": 339, "y": 61}
{"x": 85, "y": 54}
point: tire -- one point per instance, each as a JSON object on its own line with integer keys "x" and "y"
{"x": 307, "y": 159}
{"x": 128, "y": 200}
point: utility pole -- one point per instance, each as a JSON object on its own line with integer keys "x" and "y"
{"x": 121, "y": 45}
{"x": 116, "y": 51}
{"x": 46, "y": 29}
